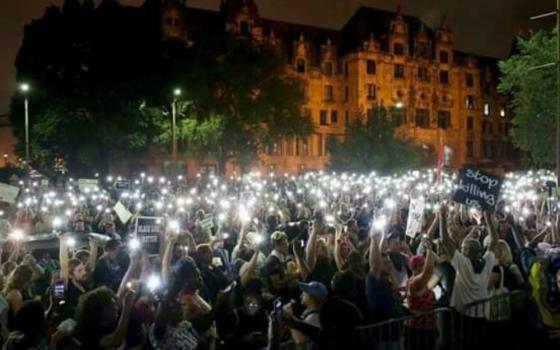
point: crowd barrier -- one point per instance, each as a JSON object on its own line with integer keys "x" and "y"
{"x": 495, "y": 322}
{"x": 500, "y": 321}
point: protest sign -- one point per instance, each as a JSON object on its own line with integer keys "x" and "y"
{"x": 149, "y": 231}
{"x": 415, "y": 216}
{"x": 88, "y": 184}
{"x": 478, "y": 189}
{"x": 123, "y": 213}
{"x": 122, "y": 185}
{"x": 8, "y": 193}
{"x": 208, "y": 222}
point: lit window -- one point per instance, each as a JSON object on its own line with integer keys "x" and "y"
{"x": 486, "y": 109}
{"x": 502, "y": 112}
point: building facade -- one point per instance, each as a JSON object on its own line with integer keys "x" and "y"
{"x": 439, "y": 96}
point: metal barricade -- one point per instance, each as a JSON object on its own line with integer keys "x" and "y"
{"x": 426, "y": 331}
{"x": 497, "y": 321}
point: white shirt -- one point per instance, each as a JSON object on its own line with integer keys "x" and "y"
{"x": 470, "y": 286}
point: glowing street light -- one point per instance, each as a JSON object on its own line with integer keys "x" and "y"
{"x": 24, "y": 88}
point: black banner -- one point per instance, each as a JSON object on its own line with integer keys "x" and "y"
{"x": 149, "y": 231}
{"x": 478, "y": 189}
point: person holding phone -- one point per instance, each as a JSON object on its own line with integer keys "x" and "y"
{"x": 73, "y": 279}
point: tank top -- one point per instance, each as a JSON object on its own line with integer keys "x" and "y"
{"x": 422, "y": 303}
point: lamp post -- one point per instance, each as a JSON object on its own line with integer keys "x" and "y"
{"x": 176, "y": 94}
{"x": 24, "y": 88}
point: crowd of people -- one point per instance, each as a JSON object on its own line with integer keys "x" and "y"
{"x": 317, "y": 261}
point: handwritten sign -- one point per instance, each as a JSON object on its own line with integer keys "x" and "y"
{"x": 123, "y": 213}
{"x": 415, "y": 216}
{"x": 208, "y": 222}
{"x": 478, "y": 189}
{"x": 8, "y": 193}
{"x": 122, "y": 185}
{"x": 149, "y": 230}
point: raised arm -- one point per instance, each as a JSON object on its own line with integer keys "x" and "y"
{"x": 92, "y": 254}
{"x": 421, "y": 281}
{"x": 248, "y": 273}
{"x": 166, "y": 260}
{"x": 446, "y": 241}
{"x": 311, "y": 248}
{"x": 63, "y": 259}
{"x": 131, "y": 273}
{"x": 115, "y": 339}
{"x": 492, "y": 231}
{"x": 375, "y": 258}
{"x": 300, "y": 262}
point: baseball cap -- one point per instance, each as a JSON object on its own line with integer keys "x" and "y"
{"x": 278, "y": 235}
{"x": 316, "y": 289}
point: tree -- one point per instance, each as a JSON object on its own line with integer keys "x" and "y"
{"x": 533, "y": 93}
{"x": 370, "y": 144}
{"x": 102, "y": 89}
{"x": 239, "y": 101}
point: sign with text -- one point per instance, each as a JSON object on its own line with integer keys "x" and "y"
{"x": 87, "y": 184}
{"x": 122, "y": 185}
{"x": 8, "y": 193}
{"x": 478, "y": 189}
{"x": 123, "y": 213}
{"x": 149, "y": 231}
{"x": 415, "y": 216}
{"x": 208, "y": 222}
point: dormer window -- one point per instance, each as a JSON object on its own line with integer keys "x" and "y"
{"x": 443, "y": 56}
{"x": 328, "y": 69}
{"x": 398, "y": 49}
{"x": 300, "y": 65}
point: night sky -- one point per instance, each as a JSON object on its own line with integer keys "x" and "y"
{"x": 485, "y": 27}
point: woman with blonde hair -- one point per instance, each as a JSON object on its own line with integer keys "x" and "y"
{"x": 512, "y": 276}
{"x": 16, "y": 290}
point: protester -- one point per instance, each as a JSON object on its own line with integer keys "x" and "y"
{"x": 320, "y": 261}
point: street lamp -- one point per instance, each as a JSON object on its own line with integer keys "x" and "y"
{"x": 176, "y": 94}
{"x": 24, "y": 88}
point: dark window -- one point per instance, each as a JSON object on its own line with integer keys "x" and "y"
{"x": 399, "y": 71}
{"x": 244, "y": 28}
{"x": 422, "y": 118}
{"x": 323, "y": 117}
{"x": 346, "y": 118}
{"x": 470, "y": 149}
{"x": 444, "y": 119}
{"x": 328, "y": 93}
{"x": 304, "y": 147}
{"x": 423, "y": 74}
{"x": 334, "y": 117}
{"x": 346, "y": 93}
{"x": 469, "y": 80}
{"x": 399, "y": 115}
{"x": 443, "y": 56}
{"x": 328, "y": 69}
{"x": 300, "y": 66}
{"x": 370, "y": 67}
{"x": 398, "y": 49}
{"x": 444, "y": 77}
{"x": 371, "y": 91}
{"x": 319, "y": 145}
{"x": 470, "y": 123}
{"x": 290, "y": 147}
{"x": 469, "y": 102}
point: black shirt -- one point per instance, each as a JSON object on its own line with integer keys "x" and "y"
{"x": 105, "y": 274}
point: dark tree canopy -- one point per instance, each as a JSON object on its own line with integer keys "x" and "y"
{"x": 102, "y": 80}
{"x": 533, "y": 93}
{"x": 370, "y": 144}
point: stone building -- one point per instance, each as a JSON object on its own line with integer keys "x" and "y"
{"x": 440, "y": 96}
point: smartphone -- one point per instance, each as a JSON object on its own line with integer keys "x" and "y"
{"x": 278, "y": 310}
{"x": 302, "y": 243}
{"x": 59, "y": 289}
